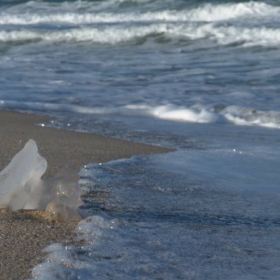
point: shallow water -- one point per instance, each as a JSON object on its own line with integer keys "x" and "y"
{"x": 199, "y": 76}
{"x": 149, "y": 222}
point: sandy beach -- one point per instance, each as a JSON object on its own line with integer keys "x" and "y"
{"x": 23, "y": 234}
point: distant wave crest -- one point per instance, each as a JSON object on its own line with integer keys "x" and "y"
{"x": 204, "y": 13}
{"x": 167, "y": 32}
{"x": 224, "y": 24}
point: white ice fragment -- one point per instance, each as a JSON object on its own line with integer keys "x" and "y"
{"x": 21, "y": 186}
{"x": 20, "y": 182}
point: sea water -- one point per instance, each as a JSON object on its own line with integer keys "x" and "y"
{"x": 201, "y": 77}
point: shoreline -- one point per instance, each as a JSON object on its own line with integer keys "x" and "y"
{"x": 63, "y": 148}
{"x": 23, "y": 234}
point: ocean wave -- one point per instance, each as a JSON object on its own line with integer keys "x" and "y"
{"x": 222, "y": 35}
{"x": 230, "y": 114}
{"x": 247, "y": 37}
{"x": 197, "y": 114}
{"x": 204, "y": 13}
{"x": 110, "y": 35}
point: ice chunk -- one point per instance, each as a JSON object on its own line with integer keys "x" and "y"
{"x": 20, "y": 181}
{"x": 21, "y": 186}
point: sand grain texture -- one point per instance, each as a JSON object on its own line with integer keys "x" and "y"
{"x": 23, "y": 235}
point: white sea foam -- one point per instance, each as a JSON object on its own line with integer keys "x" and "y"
{"x": 198, "y": 23}
{"x": 247, "y": 36}
{"x": 204, "y": 13}
{"x": 186, "y": 114}
{"x": 113, "y": 35}
{"x": 60, "y": 261}
{"x": 110, "y": 35}
{"x": 230, "y": 114}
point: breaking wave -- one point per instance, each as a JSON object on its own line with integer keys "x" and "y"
{"x": 197, "y": 114}
{"x": 230, "y": 114}
{"x": 205, "y": 13}
{"x": 110, "y": 35}
{"x": 79, "y": 21}
{"x": 113, "y": 35}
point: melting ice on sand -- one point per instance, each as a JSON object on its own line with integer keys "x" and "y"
{"x": 21, "y": 186}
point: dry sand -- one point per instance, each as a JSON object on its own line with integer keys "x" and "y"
{"x": 23, "y": 234}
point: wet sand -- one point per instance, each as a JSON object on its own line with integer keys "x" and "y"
{"x": 23, "y": 234}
